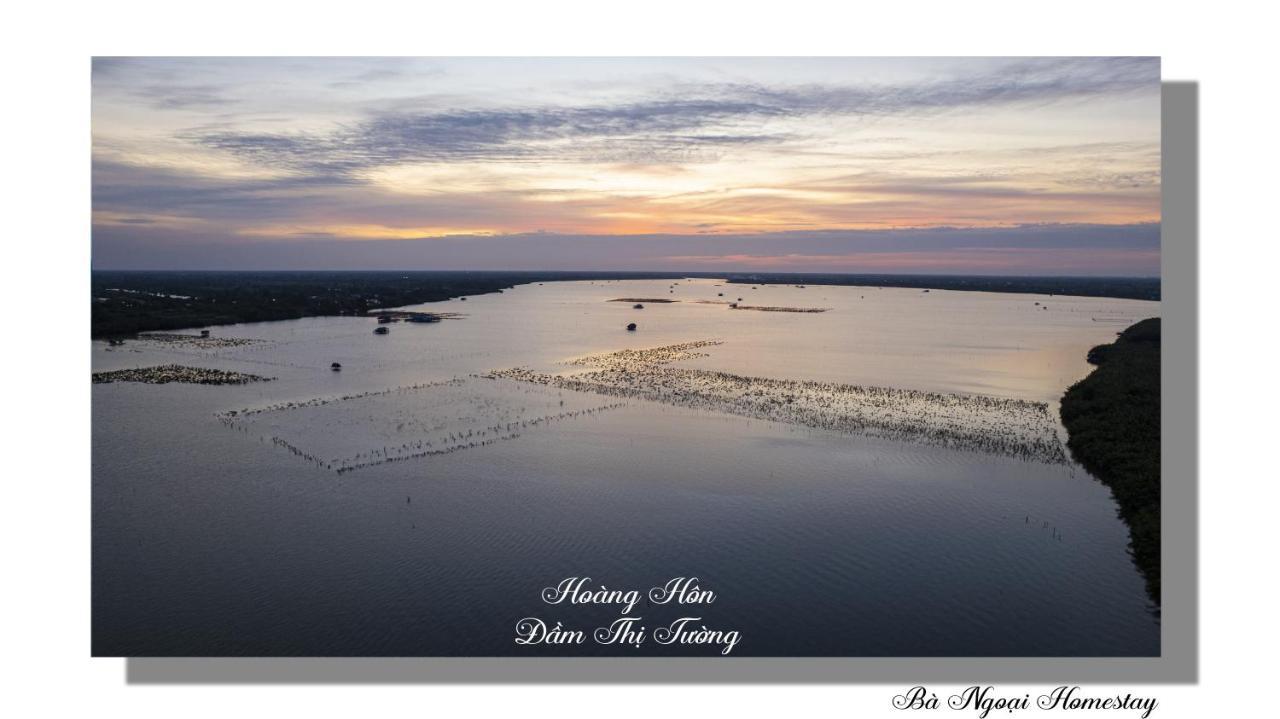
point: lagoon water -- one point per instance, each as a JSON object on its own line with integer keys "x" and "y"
{"x": 211, "y": 538}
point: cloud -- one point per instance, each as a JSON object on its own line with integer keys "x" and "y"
{"x": 693, "y": 127}
{"x": 242, "y": 207}
{"x": 309, "y": 205}
{"x": 138, "y": 190}
{"x": 173, "y": 96}
{"x": 1030, "y": 80}
{"x": 651, "y": 132}
{"x": 1049, "y": 249}
{"x": 620, "y": 175}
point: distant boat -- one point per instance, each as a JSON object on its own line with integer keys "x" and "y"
{"x": 631, "y": 327}
{"x": 381, "y": 331}
{"x": 637, "y": 307}
{"x": 336, "y": 366}
{"x": 384, "y": 319}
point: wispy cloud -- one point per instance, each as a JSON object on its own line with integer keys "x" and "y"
{"x": 175, "y": 96}
{"x": 693, "y": 128}
{"x": 1131, "y": 250}
{"x": 753, "y": 162}
{"x": 1031, "y": 80}
{"x": 660, "y": 132}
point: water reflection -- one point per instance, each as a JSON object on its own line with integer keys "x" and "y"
{"x": 208, "y": 541}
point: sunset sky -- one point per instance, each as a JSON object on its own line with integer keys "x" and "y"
{"x": 974, "y": 166}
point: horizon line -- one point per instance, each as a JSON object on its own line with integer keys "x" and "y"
{"x": 701, "y": 273}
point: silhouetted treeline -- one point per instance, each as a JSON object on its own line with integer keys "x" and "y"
{"x": 1113, "y": 421}
{"x": 125, "y": 303}
{"x": 1132, "y": 288}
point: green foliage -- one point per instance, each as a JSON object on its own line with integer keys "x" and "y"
{"x": 1113, "y": 422}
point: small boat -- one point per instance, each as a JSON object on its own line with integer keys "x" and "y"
{"x": 381, "y": 331}
{"x": 336, "y": 366}
{"x": 631, "y": 327}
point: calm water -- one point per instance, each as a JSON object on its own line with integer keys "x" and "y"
{"x": 211, "y": 540}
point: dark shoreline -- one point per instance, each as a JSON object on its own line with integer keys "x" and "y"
{"x": 1124, "y": 288}
{"x": 1113, "y": 424}
{"x": 128, "y": 302}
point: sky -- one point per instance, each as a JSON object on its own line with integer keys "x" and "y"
{"x": 1011, "y": 166}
